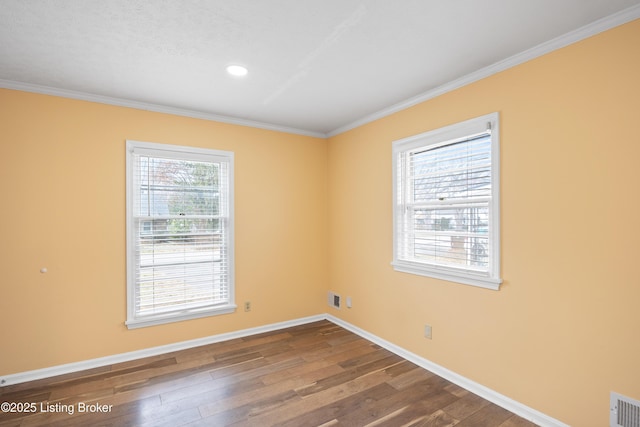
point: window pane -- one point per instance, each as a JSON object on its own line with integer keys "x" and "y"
{"x": 180, "y": 271}
{"x": 457, "y": 171}
{"x": 456, "y": 237}
{"x": 446, "y": 193}
{"x": 177, "y": 187}
{"x": 180, "y": 232}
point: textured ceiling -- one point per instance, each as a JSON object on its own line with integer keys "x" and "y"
{"x": 315, "y": 66}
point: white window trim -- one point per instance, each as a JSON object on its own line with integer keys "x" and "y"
{"x": 441, "y": 136}
{"x": 186, "y": 153}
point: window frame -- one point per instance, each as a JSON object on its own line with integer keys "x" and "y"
{"x": 435, "y": 139}
{"x": 175, "y": 152}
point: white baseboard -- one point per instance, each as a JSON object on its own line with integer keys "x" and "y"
{"x": 482, "y": 391}
{"x": 505, "y": 402}
{"x": 147, "y": 352}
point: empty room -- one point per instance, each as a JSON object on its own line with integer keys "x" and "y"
{"x": 320, "y": 213}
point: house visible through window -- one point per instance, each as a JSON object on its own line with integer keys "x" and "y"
{"x": 179, "y": 233}
{"x": 446, "y": 195}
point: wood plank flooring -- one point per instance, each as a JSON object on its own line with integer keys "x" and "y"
{"x": 317, "y": 374}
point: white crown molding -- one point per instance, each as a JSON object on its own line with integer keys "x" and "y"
{"x": 472, "y": 386}
{"x": 571, "y": 37}
{"x": 596, "y": 27}
{"x": 121, "y": 102}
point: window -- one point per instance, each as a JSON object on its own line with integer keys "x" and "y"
{"x": 446, "y": 203}
{"x": 179, "y": 233}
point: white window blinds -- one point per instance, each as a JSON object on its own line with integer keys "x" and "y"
{"x": 446, "y": 203}
{"x": 180, "y": 233}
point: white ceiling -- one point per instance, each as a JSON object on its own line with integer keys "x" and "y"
{"x": 316, "y": 67}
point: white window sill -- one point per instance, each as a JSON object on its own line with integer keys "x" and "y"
{"x": 449, "y": 274}
{"x": 177, "y": 317}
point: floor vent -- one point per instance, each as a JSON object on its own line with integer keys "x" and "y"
{"x": 625, "y": 412}
{"x": 334, "y": 300}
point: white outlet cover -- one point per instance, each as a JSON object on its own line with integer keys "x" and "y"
{"x": 427, "y": 331}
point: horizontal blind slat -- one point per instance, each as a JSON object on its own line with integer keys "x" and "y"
{"x": 446, "y": 197}
{"x": 180, "y": 211}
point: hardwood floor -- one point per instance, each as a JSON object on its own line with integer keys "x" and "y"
{"x": 317, "y": 374}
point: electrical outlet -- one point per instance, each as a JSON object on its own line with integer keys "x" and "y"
{"x": 247, "y": 306}
{"x": 349, "y": 304}
{"x": 427, "y": 331}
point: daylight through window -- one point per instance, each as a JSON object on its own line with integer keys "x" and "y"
{"x": 180, "y": 233}
{"x": 446, "y": 203}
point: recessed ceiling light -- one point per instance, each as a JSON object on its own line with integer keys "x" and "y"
{"x": 237, "y": 70}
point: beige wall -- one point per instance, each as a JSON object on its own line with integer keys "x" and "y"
{"x": 563, "y": 331}
{"x": 314, "y": 215}
{"x": 62, "y": 198}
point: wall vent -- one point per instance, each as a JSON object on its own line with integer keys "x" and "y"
{"x": 625, "y": 412}
{"x": 334, "y": 300}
